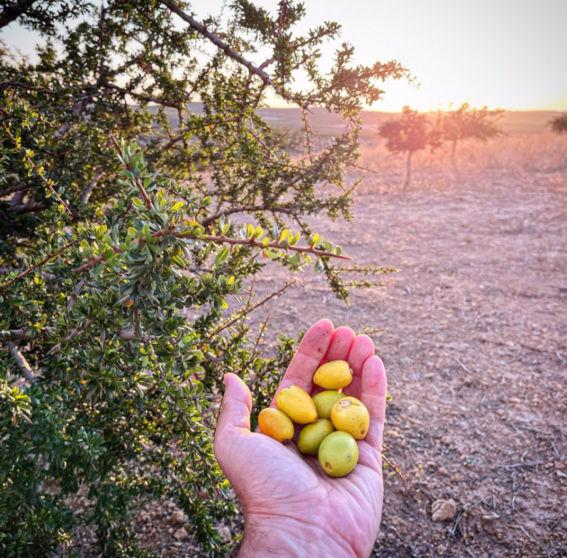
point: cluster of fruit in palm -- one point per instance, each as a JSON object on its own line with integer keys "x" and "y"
{"x": 332, "y": 421}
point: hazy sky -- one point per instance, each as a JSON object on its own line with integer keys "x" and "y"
{"x": 507, "y": 53}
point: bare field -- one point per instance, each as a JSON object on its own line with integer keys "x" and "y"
{"x": 475, "y": 345}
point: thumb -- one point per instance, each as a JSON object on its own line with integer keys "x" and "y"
{"x": 236, "y": 407}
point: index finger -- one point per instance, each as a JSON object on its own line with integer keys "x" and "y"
{"x": 306, "y": 360}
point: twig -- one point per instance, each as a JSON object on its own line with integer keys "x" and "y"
{"x": 462, "y": 365}
{"x": 139, "y": 96}
{"x": 174, "y": 140}
{"x": 262, "y": 329}
{"x": 395, "y": 467}
{"x": 92, "y": 185}
{"x": 22, "y": 363}
{"x": 520, "y": 464}
{"x": 243, "y": 208}
{"x": 138, "y": 182}
{"x": 249, "y": 310}
{"x": 363, "y": 168}
{"x": 74, "y": 333}
{"x": 36, "y": 266}
{"x": 47, "y": 182}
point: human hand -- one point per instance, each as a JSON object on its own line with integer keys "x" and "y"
{"x": 291, "y": 507}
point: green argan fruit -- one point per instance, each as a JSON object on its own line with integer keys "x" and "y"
{"x": 312, "y": 435}
{"x": 338, "y": 454}
{"x": 325, "y": 400}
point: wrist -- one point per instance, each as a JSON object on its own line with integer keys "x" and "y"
{"x": 287, "y": 537}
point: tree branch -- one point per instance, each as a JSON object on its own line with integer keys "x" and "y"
{"x": 22, "y": 363}
{"x": 92, "y": 185}
{"x": 14, "y": 11}
{"x": 139, "y": 96}
{"x": 231, "y": 53}
{"x": 139, "y": 184}
{"x": 220, "y": 239}
{"x": 174, "y": 140}
{"x": 36, "y": 266}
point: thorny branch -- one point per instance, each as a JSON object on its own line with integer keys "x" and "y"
{"x": 231, "y": 53}
{"x": 220, "y": 239}
{"x": 22, "y": 363}
{"x": 38, "y": 265}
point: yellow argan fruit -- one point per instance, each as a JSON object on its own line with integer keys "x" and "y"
{"x": 297, "y": 405}
{"x": 333, "y": 375}
{"x": 338, "y": 454}
{"x": 312, "y": 435}
{"x": 275, "y": 424}
{"x": 325, "y": 400}
{"x": 350, "y": 415}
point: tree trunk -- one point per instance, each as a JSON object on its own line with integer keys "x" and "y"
{"x": 453, "y": 150}
{"x": 408, "y": 169}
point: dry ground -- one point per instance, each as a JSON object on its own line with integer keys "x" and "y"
{"x": 475, "y": 347}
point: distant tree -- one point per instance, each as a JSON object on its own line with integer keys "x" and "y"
{"x": 559, "y": 123}
{"x": 409, "y": 133}
{"x": 467, "y": 122}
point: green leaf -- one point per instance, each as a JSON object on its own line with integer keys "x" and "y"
{"x": 97, "y": 269}
{"x": 222, "y": 255}
{"x": 295, "y": 259}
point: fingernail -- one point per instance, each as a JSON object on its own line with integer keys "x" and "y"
{"x": 224, "y": 379}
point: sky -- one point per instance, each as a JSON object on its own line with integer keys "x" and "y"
{"x": 500, "y": 53}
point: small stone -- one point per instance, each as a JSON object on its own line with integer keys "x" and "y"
{"x": 180, "y": 534}
{"x": 443, "y": 510}
{"x": 224, "y": 532}
{"x": 178, "y": 518}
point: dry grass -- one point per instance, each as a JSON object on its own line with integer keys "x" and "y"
{"x": 543, "y": 153}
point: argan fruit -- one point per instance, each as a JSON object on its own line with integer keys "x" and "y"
{"x": 275, "y": 424}
{"x": 297, "y": 405}
{"x": 333, "y": 375}
{"x": 350, "y": 415}
{"x": 338, "y": 454}
{"x": 312, "y": 435}
{"x": 325, "y": 400}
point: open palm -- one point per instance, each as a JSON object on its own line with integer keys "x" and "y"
{"x": 291, "y": 507}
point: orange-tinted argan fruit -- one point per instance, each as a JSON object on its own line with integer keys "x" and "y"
{"x": 275, "y": 424}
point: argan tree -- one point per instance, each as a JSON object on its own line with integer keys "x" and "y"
{"x": 465, "y": 123}
{"x": 126, "y": 285}
{"x": 559, "y": 124}
{"x": 408, "y": 133}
